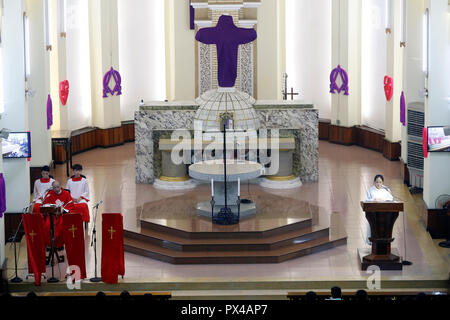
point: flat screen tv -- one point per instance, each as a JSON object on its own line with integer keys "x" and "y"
{"x": 18, "y": 145}
{"x": 439, "y": 139}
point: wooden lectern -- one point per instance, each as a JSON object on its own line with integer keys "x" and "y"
{"x": 52, "y": 211}
{"x": 381, "y": 217}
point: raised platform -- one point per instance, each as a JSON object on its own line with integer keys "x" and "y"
{"x": 282, "y": 229}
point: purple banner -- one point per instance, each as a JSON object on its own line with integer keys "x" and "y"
{"x": 49, "y": 112}
{"x": 191, "y": 15}
{"x": 2, "y": 195}
{"x": 402, "y": 109}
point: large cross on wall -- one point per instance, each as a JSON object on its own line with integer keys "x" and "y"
{"x": 207, "y": 14}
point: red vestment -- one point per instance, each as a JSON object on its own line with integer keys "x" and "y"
{"x": 67, "y": 204}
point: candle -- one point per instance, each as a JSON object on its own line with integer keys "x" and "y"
{"x": 212, "y": 188}
{"x": 239, "y": 187}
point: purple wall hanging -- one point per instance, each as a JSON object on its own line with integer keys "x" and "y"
{"x": 191, "y": 16}
{"x": 2, "y": 195}
{"x": 333, "y": 78}
{"x": 49, "y": 112}
{"x": 107, "y": 79}
{"x": 227, "y": 38}
{"x": 402, "y": 109}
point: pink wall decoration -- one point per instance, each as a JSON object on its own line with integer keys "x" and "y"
{"x": 425, "y": 142}
{"x": 49, "y": 112}
{"x": 388, "y": 87}
{"x": 338, "y": 71}
{"x": 403, "y": 109}
{"x": 107, "y": 79}
{"x": 64, "y": 91}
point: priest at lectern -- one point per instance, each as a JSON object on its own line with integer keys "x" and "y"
{"x": 61, "y": 198}
{"x": 378, "y": 192}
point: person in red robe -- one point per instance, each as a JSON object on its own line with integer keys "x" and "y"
{"x": 61, "y": 198}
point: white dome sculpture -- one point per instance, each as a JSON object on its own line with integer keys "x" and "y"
{"x": 214, "y": 104}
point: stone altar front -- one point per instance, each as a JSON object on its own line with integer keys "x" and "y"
{"x": 157, "y": 120}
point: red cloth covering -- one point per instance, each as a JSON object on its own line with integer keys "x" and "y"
{"x": 113, "y": 263}
{"x": 67, "y": 201}
{"x": 83, "y": 209}
{"x": 74, "y": 241}
{"x": 34, "y": 235}
{"x": 37, "y": 208}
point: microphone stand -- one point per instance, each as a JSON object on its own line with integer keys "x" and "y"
{"x": 94, "y": 243}
{"x": 52, "y": 253}
{"x": 17, "y": 279}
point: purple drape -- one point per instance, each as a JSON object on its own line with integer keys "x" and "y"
{"x": 2, "y": 195}
{"x": 403, "y": 109}
{"x": 49, "y": 112}
{"x": 227, "y": 38}
{"x": 191, "y": 16}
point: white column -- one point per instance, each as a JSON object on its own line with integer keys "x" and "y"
{"x": 271, "y": 50}
{"x": 141, "y": 54}
{"x": 104, "y": 53}
{"x": 58, "y": 68}
{"x": 39, "y": 81}
{"x": 180, "y": 51}
{"x": 394, "y": 68}
{"x": 413, "y": 77}
{"x": 346, "y": 52}
{"x": 16, "y": 171}
{"x": 15, "y": 117}
{"x": 437, "y": 105}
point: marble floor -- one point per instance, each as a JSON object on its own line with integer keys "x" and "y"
{"x": 345, "y": 175}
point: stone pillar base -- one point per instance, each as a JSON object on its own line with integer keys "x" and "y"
{"x": 277, "y": 182}
{"x": 174, "y": 183}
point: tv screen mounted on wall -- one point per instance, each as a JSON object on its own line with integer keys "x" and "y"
{"x": 439, "y": 139}
{"x": 18, "y": 145}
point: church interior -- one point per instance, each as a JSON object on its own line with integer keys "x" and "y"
{"x": 228, "y": 148}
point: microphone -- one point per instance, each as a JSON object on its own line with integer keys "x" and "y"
{"x": 98, "y": 203}
{"x": 24, "y": 210}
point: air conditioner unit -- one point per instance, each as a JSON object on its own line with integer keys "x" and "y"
{"x": 415, "y": 122}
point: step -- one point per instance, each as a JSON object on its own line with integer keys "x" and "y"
{"x": 202, "y": 228}
{"x": 231, "y": 257}
{"x": 178, "y": 243}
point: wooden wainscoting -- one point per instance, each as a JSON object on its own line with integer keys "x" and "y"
{"x": 324, "y": 129}
{"x": 89, "y": 138}
{"x": 436, "y": 222}
{"x": 360, "y": 135}
{"x": 342, "y": 135}
{"x": 405, "y": 173}
{"x": 12, "y": 221}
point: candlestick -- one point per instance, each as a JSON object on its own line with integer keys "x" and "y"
{"x": 212, "y": 188}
